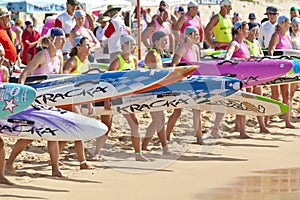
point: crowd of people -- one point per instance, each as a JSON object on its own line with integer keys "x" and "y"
{"x": 66, "y": 45}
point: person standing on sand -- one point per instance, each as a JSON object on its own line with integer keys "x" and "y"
{"x": 219, "y": 27}
{"x": 237, "y": 49}
{"x": 124, "y": 61}
{"x": 281, "y": 40}
{"x": 4, "y": 74}
{"x": 47, "y": 61}
{"x": 187, "y": 52}
{"x": 153, "y": 60}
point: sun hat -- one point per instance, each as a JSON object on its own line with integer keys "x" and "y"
{"x": 271, "y": 9}
{"x": 281, "y": 18}
{"x": 237, "y": 25}
{"x": 102, "y": 18}
{"x": 55, "y": 31}
{"x": 4, "y": 12}
{"x": 126, "y": 38}
{"x": 111, "y": 8}
{"x": 296, "y": 20}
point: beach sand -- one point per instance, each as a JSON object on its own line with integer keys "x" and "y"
{"x": 263, "y": 167}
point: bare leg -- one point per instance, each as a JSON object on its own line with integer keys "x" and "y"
{"x": 275, "y": 96}
{"x": 17, "y": 149}
{"x": 197, "y": 126}
{"x": 135, "y": 137}
{"x": 53, "y": 149}
{"x": 241, "y": 121}
{"x": 172, "y": 121}
{"x": 215, "y": 129}
{"x": 100, "y": 141}
{"x": 286, "y": 99}
{"x": 3, "y": 179}
{"x": 261, "y": 122}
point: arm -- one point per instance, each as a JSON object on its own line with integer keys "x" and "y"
{"x": 115, "y": 65}
{"x": 151, "y": 60}
{"x": 61, "y": 61}
{"x": 135, "y": 63}
{"x": 95, "y": 42}
{"x": 38, "y": 60}
{"x": 231, "y": 49}
{"x": 201, "y": 31}
{"x": 172, "y": 45}
{"x": 69, "y": 66}
{"x": 145, "y": 34}
{"x": 273, "y": 42}
{"x": 177, "y": 28}
{"x": 208, "y": 31}
{"x": 5, "y": 73}
{"x": 91, "y": 21}
{"x": 180, "y": 51}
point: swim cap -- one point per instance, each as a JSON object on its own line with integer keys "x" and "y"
{"x": 188, "y": 30}
{"x": 157, "y": 35}
{"x": 77, "y": 40}
{"x": 52, "y": 32}
{"x": 126, "y": 38}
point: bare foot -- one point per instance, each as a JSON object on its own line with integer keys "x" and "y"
{"x": 146, "y": 149}
{"x": 264, "y": 130}
{"x": 58, "y": 174}
{"x": 166, "y": 151}
{"x": 245, "y": 136}
{"x": 142, "y": 158}
{"x": 5, "y": 181}
{"x": 9, "y": 169}
{"x": 84, "y": 165}
{"x": 290, "y": 126}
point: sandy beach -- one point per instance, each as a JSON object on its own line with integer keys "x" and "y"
{"x": 263, "y": 167}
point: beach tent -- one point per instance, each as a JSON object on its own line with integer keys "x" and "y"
{"x": 35, "y": 6}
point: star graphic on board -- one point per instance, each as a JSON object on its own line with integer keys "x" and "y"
{"x": 9, "y": 105}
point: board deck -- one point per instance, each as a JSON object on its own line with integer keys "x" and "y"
{"x": 14, "y": 98}
{"x": 50, "y": 123}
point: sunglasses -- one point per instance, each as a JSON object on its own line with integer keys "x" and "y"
{"x": 272, "y": 13}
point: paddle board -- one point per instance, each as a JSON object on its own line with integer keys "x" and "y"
{"x": 14, "y": 98}
{"x": 244, "y": 103}
{"x": 84, "y": 88}
{"x": 50, "y": 123}
{"x": 189, "y": 92}
{"x": 250, "y": 72}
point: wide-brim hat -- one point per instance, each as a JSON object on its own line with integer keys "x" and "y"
{"x": 111, "y": 9}
{"x": 4, "y": 12}
{"x": 103, "y": 19}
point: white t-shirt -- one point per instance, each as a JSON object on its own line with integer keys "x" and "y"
{"x": 265, "y": 33}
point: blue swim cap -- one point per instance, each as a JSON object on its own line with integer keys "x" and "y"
{"x": 188, "y": 30}
{"x": 77, "y": 40}
{"x": 55, "y": 32}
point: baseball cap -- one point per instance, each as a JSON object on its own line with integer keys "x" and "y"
{"x": 53, "y": 32}
{"x": 294, "y": 8}
{"x": 180, "y": 9}
{"x": 252, "y": 16}
{"x": 192, "y": 4}
{"x": 282, "y": 18}
{"x": 72, "y": 2}
{"x": 296, "y": 20}
{"x": 79, "y": 13}
{"x": 237, "y": 25}
{"x": 271, "y": 9}
{"x": 225, "y": 2}
{"x": 27, "y": 23}
{"x": 126, "y": 38}
{"x": 252, "y": 25}
{"x": 77, "y": 40}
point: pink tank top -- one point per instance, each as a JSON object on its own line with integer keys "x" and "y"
{"x": 284, "y": 41}
{"x": 190, "y": 54}
{"x": 84, "y": 32}
{"x": 243, "y": 51}
{"x": 164, "y": 27}
{"x": 50, "y": 67}
{"x": 189, "y": 22}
